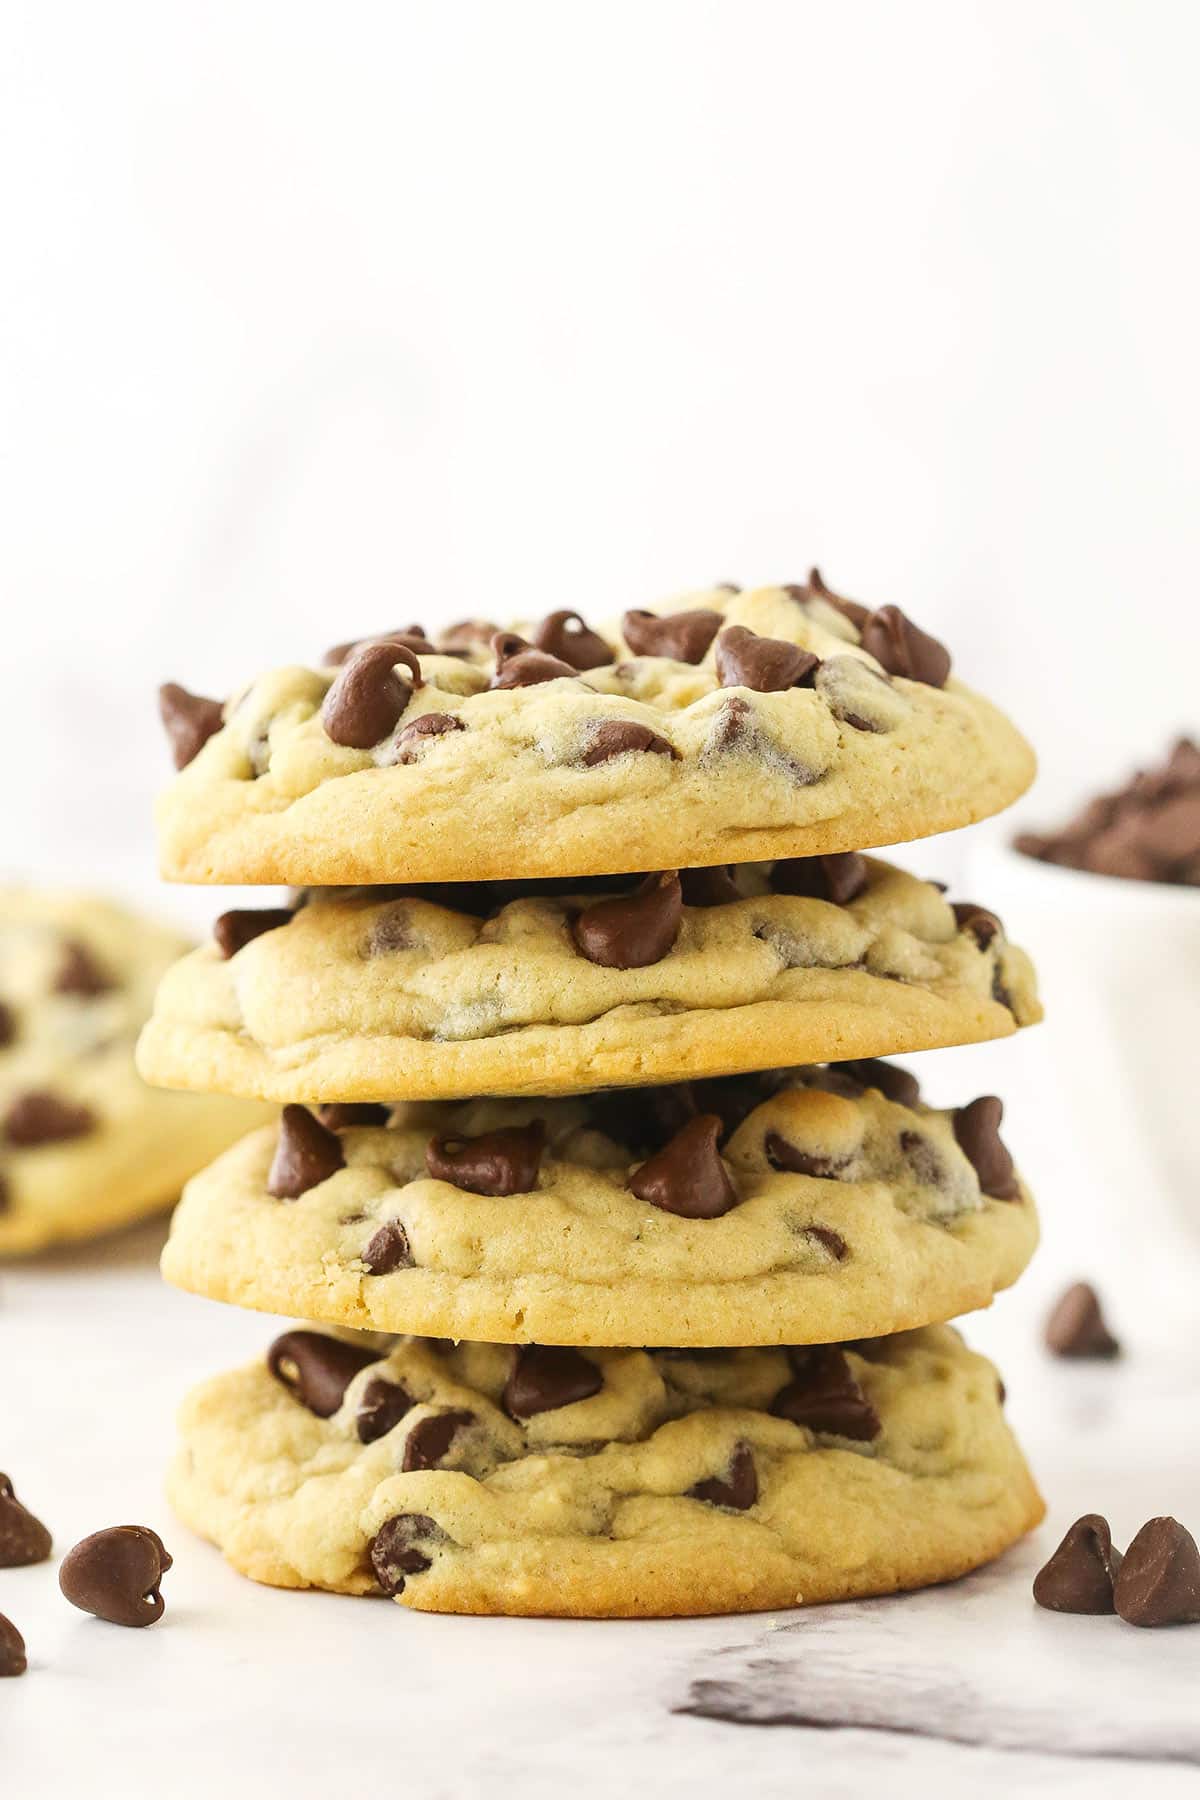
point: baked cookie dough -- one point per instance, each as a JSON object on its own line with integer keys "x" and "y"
{"x": 617, "y": 1484}
{"x": 369, "y": 994}
{"x": 797, "y": 1207}
{"x": 727, "y": 726}
{"x": 85, "y": 1145}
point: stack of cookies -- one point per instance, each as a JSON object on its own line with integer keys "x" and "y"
{"x": 629, "y": 1266}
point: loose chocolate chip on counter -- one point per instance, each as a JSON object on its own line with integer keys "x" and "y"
{"x": 617, "y": 737}
{"x": 1077, "y": 1328}
{"x": 234, "y": 930}
{"x": 431, "y": 1437}
{"x": 1079, "y": 1576}
{"x": 849, "y": 609}
{"x": 80, "y": 973}
{"x": 565, "y": 635}
{"x": 894, "y": 1084}
{"x": 305, "y": 1155}
{"x": 495, "y": 1162}
{"x": 12, "y": 1649}
{"x": 413, "y": 637}
{"x": 768, "y": 665}
{"x": 793, "y": 1161}
{"x": 838, "y": 879}
{"x": 394, "y": 1553}
{"x": 687, "y": 1176}
{"x": 737, "y": 1488}
{"x": 23, "y": 1538}
{"x": 38, "y": 1117}
{"x": 547, "y": 1376}
{"x": 316, "y": 1370}
{"x": 902, "y": 648}
{"x": 189, "y": 721}
{"x": 1159, "y": 1580}
{"x": 635, "y": 930}
{"x": 709, "y": 887}
{"x": 412, "y": 738}
{"x": 381, "y": 1407}
{"x": 368, "y": 695}
{"x": 115, "y": 1574}
{"x": 518, "y": 664}
{"x": 830, "y": 1240}
{"x": 977, "y": 922}
{"x": 341, "y": 1115}
{"x": 388, "y": 1250}
{"x": 977, "y": 1128}
{"x": 682, "y": 636}
{"x": 8, "y": 1025}
{"x": 825, "y": 1396}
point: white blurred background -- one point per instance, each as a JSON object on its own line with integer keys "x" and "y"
{"x": 318, "y": 318}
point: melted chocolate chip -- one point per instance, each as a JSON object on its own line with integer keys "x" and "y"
{"x": 394, "y": 1553}
{"x": 830, "y": 1240}
{"x": 234, "y": 930}
{"x": 1077, "y": 1328}
{"x": 977, "y": 1128}
{"x": 902, "y": 648}
{"x": 709, "y": 887}
{"x": 922, "y": 1158}
{"x": 38, "y": 1117}
{"x": 381, "y": 1407}
{"x": 305, "y": 1155}
{"x": 547, "y": 1376}
{"x": 896, "y": 1085}
{"x": 412, "y": 738}
{"x": 635, "y": 930}
{"x": 413, "y": 637}
{"x": 341, "y": 1115}
{"x": 388, "y": 1250}
{"x": 565, "y": 636}
{"x": 12, "y": 1649}
{"x": 768, "y": 665}
{"x": 1079, "y": 1576}
{"x": 80, "y": 973}
{"x": 518, "y": 664}
{"x": 732, "y": 727}
{"x": 682, "y": 636}
{"x": 838, "y": 879}
{"x": 687, "y": 1177}
{"x": 1159, "y": 1580}
{"x": 189, "y": 721}
{"x": 368, "y": 696}
{"x": 431, "y": 1437}
{"x": 737, "y": 1488}
{"x": 115, "y": 1575}
{"x": 826, "y": 1397}
{"x": 619, "y": 737}
{"x": 789, "y": 1157}
{"x": 496, "y": 1162}
{"x": 23, "y": 1538}
{"x": 316, "y": 1370}
{"x": 977, "y": 922}
{"x": 849, "y": 609}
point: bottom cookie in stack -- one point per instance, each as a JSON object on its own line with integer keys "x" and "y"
{"x": 481, "y": 1478}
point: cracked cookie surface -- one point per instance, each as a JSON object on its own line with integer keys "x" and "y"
{"x": 622, "y": 1483}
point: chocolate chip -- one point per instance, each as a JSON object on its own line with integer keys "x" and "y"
{"x": 518, "y": 664}
{"x": 1159, "y": 1580}
{"x": 793, "y": 1161}
{"x": 393, "y": 1550}
{"x": 38, "y": 1117}
{"x": 709, "y": 887}
{"x": 188, "y": 719}
{"x": 977, "y": 1128}
{"x": 366, "y": 700}
{"x": 115, "y": 1574}
{"x": 431, "y": 1437}
{"x": 413, "y": 637}
{"x": 412, "y": 738}
{"x": 234, "y": 930}
{"x": 305, "y": 1155}
{"x": 737, "y": 1488}
{"x": 634, "y": 931}
{"x": 466, "y": 634}
{"x": 381, "y": 1407}
{"x": 1079, "y": 1576}
{"x": 768, "y": 665}
{"x": 618, "y": 737}
{"x": 1076, "y": 1327}
{"x": 922, "y": 1158}
{"x": 830, "y": 1240}
{"x": 342, "y": 1115}
{"x": 825, "y": 1396}
{"x": 12, "y": 1649}
{"x": 8, "y": 1025}
{"x": 316, "y": 1370}
{"x": 388, "y": 1250}
{"x": 732, "y": 726}
{"x": 849, "y": 609}
{"x": 547, "y": 1376}
{"x": 643, "y": 1118}
{"x": 838, "y": 879}
{"x": 682, "y": 636}
{"x": 23, "y": 1539}
{"x": 896, "y": 1085}
{"x": 80, "y": 973}
{"x": 565, "y": 636}
{"x": 902, "y": 648}
{"x": 687, "y": 1177}
{"x": 495, "y": 1162}
{"x": 977, "y": 922}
